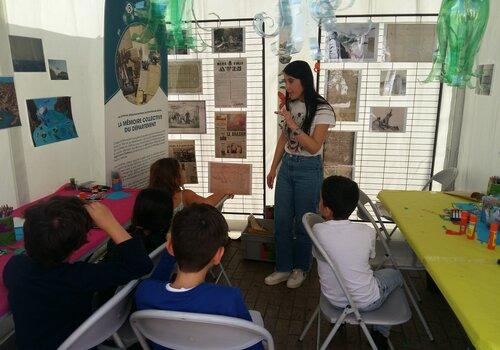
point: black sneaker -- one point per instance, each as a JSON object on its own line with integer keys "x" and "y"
{"x": 380, "y": 340}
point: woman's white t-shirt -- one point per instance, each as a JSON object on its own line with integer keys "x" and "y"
{"x": 324, "y": 115}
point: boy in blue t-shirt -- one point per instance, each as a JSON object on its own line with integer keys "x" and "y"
{"x": 197, "y": 240}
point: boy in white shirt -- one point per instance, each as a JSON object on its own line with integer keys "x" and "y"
{"x": 350, "y": 245}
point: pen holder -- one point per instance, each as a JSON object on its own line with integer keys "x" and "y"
{"x": 7, "y": 233}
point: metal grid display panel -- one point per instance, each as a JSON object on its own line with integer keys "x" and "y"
{"x": 402, "y": 161}
{"x": 205, "y": 143}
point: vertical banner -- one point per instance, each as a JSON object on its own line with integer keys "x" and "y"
{"x": 135, "y": 73}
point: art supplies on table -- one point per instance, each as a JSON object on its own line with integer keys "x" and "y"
{"x": 116, "y": 181}
{"x": 117, "y": 195}
{"x": 492, "y": 239}
{"x": 476, "y": 221}
{"x": 471, "y": 227}
{"x": 7, "y": 233}
{"x": 494, "y": 186}
{"x": 472, "y": 196}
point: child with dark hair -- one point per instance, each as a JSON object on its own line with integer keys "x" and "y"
{"x": 351, "y": 245}
{"x": 50, "y": 297}
{"x": 167, "y": 174}
{"x": 151, "y": 219}
{"x": 197, "y": 240}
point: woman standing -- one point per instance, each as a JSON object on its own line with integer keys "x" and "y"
{"x": 306, "y": 119}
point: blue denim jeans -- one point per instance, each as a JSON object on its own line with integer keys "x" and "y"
{"x": 387, "y": 280}
{"x": 298, "y": 187}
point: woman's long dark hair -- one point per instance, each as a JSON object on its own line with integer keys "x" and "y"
{"x": 165, "y": 174}
{"x": 302, "y": 71}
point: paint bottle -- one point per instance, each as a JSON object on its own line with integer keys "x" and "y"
{"x": 492, "y": 239}
{"x": 471, "y": 227}
{"x": 464, "y": 218}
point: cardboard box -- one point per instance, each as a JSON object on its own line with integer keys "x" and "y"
{"x": 259, "y": 246}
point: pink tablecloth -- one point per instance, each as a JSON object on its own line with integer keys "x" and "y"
{"x": 121, "y": 209}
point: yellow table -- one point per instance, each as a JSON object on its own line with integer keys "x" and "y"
{"x": 465, "y": 271}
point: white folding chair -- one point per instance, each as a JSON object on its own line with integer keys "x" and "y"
{"x": 384, "y": 254}
{"x": 394, "y": 310}
{"x": 103, "y": 323}
{"x": 191, "y": 331}
{"x": 445, "y": 177}
{"x": 222, "y": 271}
{"x": 401, "y": 251}
{"x": 155, "y": 255}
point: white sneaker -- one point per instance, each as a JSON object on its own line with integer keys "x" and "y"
{"x": 296, "y": 278}
{"x": 276, "y": 278}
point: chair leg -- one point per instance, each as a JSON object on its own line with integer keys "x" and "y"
{"x": 142, "y": 340}
{"x": 304, "y": 332}
{"x": 226, "y": 277}
{"x": 118, "y": 341}
{"x": 318, "y": 331}
{"x": 419, "y": 312}
{"x": 368, "y": 335}
{"x": 415, "y": 292}
{"x": 389, "y": 342}
{"x": 392, "y": 232}
{"x": 333, "y": 331}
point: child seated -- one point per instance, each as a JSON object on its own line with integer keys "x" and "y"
{"x": 350, "y": 246}
{"x": 197, "y": 240}
{"x": 167, "y": 174}
{"x": 49, "y": 297}
{"x": 151, "y": 219}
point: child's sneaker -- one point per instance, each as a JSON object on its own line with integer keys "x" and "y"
{"x": 276, "y": 278}
{"x": 296, "y": 278}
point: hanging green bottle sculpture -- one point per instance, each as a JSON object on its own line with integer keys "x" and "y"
{"x": 168, "y": 21}
{"x": 460, "y": 29}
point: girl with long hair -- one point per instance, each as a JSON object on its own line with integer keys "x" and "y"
{"x": 306, "y": 117}
{"x": 167, "y": 174}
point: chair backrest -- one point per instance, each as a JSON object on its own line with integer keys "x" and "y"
{"x": 309, "y": 220}
{"x": 219, "y": 205}
{"x": 365, "y": 214}
{"x": 445, "y": 177}
{"x": 104, "y": 322}
{"x": 190, "y": 331}
{"x": 155, "y": 255}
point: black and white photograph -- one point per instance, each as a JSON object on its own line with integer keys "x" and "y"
{"x": 342, "y": 92}
{"x": 184, "y": 152}
{"x": 228, "y": 40}
{"x": 187, "y": 117}
{"x": 353, "y": 42}
{"x": 393, "y": 83}
{"x": 388, "y": 119}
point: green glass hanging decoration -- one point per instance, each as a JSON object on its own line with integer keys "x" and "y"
{"x": 460, "y": 29}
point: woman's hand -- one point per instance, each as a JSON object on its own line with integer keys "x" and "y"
{"x": 287, "y": 117}
{"x": 270, "y": 178}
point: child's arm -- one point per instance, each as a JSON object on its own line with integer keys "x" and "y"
{"x": 213, "y": 200}
{"x": 104, "y": 219}
{"x": 134, "y": 261}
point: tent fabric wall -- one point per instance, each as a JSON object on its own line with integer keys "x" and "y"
{"x": 73, "y": 30}
{"x": 70, "y": 30}
{"x": 479, "y": 153}
{"x": 8, "y": 192}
